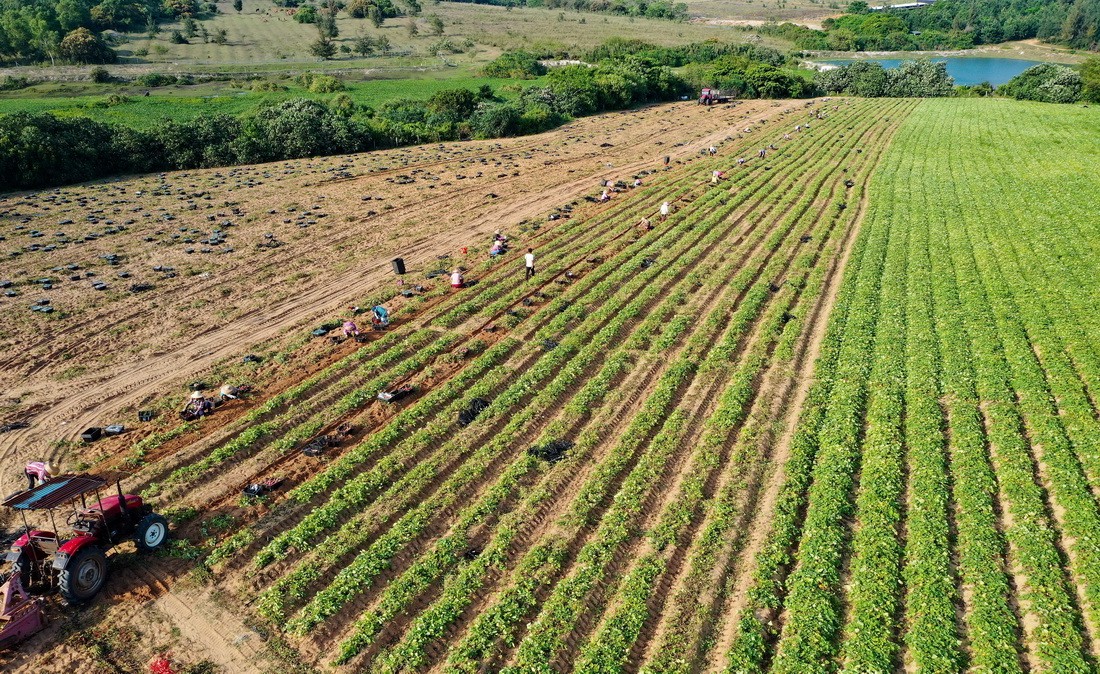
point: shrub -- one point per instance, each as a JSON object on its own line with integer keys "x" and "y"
{"x": 156, "y": 80}
{"x": 517, "y": 64}
{"x": 10, "y": 83}
{"x": 1047, "y": 82}
{"x": 84, "y": 46}
{"x": 319, "y": 84}
{"x": 100, "y": 75}
{"x": 306, "y": 14}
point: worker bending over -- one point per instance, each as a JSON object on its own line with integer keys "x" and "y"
{"x": 39, "y": 471}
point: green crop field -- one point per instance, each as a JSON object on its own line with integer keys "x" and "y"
{"x": 949, "y": 483}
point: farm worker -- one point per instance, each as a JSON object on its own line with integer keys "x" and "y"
{"x": 644, "y": 225}
{"x": 667, "y": 159}
{"x": 605, "y": 196}
{"x": 497, "y": 236}
{"x": 529, "y": 264}
{"x": 665, "y": 209}
{"x": 763, "y": 153}
{"x": 740, "y": 161}
{"x": 228, "y": 392}
{"x": 456, "y": 279}
{"x": 714, "y": 177}
{"x": 713, "y": 150}
{"x": 199, "y": 405}
{"x": 381, "y": 317}
{"x": 637, "y": 182}
{"x": 37, "y": 470}
{"x": 351, "y": 329}
{"x": 497, "y": 248}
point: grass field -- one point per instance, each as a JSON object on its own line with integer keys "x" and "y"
{"x": 183, "y": 102}
{"x": 265, "y": 37}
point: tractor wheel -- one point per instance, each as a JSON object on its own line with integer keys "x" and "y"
{"x": 152, "y": 532}
{"x": 84, "y": 575}
{"x": 23, "y": 565}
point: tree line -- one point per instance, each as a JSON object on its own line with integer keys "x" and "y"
{"x": 40, "y": 149}
{"x": 71, "y": 30}
{"x": 950, "y": 24}
{"x": 1046, "y": 82}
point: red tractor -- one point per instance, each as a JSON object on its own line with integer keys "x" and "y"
{"x": 709, "y": 96}
{"x": 77, "y": 564}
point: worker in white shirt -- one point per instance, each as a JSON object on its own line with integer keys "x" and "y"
{"x": 529, "y": 263}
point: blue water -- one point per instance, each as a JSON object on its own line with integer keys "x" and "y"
{"x": 967, "y": 70}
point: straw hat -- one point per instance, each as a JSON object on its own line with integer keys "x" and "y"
{"x": 52, "y": 470}
{"x": 196, "y": 395}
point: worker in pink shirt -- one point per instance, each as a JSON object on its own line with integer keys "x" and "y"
{"x": 37, "y": 470}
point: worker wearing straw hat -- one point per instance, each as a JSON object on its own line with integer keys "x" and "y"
{"x": 37, "y": 471}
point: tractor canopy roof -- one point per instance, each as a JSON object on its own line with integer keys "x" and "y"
{"x": 54, "y": 492}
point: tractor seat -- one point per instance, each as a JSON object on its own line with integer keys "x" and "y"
{"x": 44, "y": 541}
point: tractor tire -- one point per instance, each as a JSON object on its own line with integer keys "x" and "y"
{"x": 23, "y": 565}
{"x": 151, "y": 533}
{"x": 84, "y": 575}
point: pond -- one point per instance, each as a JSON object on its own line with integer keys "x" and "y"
{"x": 965, "y": 70}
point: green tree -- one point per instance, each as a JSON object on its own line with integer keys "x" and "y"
{"x": 1090, "y": 79}
{"x": 436, "y": 24}
{"x": 326, "y": 19}
{"x": 382, "y": 43}
{"x": 190, "y": 28}
{"x": 858, "y": 7}
{"x": 364, "y": 45}
{"x": 412, "y": 28}
{"x": 375, "y": 16}
{"x": 178, "y": 38}
{"x": 84, "y": 46}
{"x": 306, "y": 14}
{"x": 72, "y": 14}
{"x": 452, "y": 105}
{"x": 238, "y": 5}
{"x": 323, "y": 48}
{"x": 920, "y": 79}
{"x": 221, "y": 36}
{"x": 1047, "y": 82}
